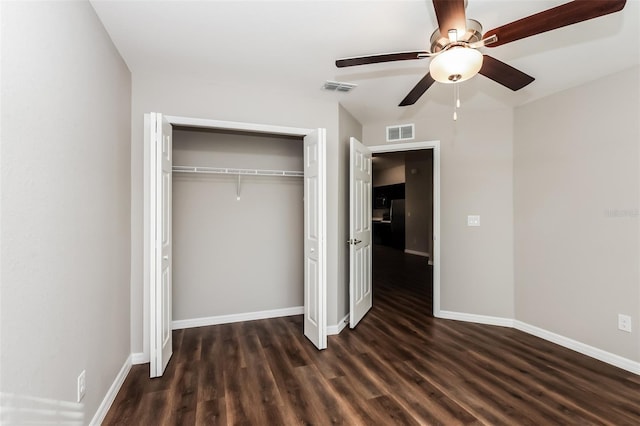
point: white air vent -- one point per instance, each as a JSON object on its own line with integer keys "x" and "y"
{"x": 402, "y": 132}
{"x": 337, "y": 86}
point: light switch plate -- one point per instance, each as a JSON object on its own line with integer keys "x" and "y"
{"x": 473, "y": 220}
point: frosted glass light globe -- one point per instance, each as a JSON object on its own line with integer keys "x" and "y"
{"x": 455, "y": 65}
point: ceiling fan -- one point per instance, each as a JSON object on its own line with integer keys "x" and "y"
{"x": 454, "y": 45}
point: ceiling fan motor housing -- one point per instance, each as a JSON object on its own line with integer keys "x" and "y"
{"x": 473, "y": 34}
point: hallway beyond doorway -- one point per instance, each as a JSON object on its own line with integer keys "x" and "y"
{"x": 394, "y": 269}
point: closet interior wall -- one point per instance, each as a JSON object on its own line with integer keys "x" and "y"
{"x": 236, "y": 256}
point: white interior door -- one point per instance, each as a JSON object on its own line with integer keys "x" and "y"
{"x": 159, "y": 139}
{"x": 315, "y": 327}
{"x": 360, "y": 291}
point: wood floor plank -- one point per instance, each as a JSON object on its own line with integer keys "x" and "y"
{"x": 562, "y": 381}
{"x": 365, "y": 382}
{"x": 237, "y": 407}
{"x": 281, "y": 369}
{"x": 211, "y": 366}
{"x": 358, "y": 405}
{"x": 400, "y": 365}
{"x": 464, "y": 392}
{"x": 211, "y": 412}
{"x": 153, "y": 409}
{"x": 183, "y": 395}
{"x": 129, "y": 397}
{"x": 327, "y": 363}
{"x": 431, "y": 405}
{"x": 328, "y": 408}
{"x": 390, "y": 412}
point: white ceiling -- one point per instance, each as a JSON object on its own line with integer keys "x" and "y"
{"x": 293, "y": 45}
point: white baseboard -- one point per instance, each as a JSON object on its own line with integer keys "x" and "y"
{"x": 108, "y": 399}
{"x": 417, "y": 253}
{"x": 227, "y": 319}
{"x": 336, "y": 329}
{"x": 139, "y": 358}
{"x": 479, "y": 319}
{"x": 583, "y": 348}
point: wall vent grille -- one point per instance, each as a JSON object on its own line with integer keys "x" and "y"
{"x": 337, "y": 86}
{"x": 401, "y": 132}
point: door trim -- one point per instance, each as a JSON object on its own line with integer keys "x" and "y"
{"x": 435, "y": 146}
{"x": 211, "y": 124}
{"x": 237, "y": 126}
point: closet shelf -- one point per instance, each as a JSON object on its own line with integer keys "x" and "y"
{"x": 244, "y": 172}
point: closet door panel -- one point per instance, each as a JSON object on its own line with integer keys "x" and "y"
{"x": 158, "y": 133}
{"x": 314, "y": 239}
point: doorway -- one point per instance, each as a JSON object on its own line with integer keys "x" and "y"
{"x": 402, "y": 223}
{"x": 414, "y": 254}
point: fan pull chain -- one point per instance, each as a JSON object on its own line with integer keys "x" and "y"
{"x": 456, "y": 100}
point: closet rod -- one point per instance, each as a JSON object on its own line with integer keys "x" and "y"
{"x": 228, "y": 171}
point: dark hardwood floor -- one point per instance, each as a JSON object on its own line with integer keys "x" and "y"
{"x": 399, "y": 366}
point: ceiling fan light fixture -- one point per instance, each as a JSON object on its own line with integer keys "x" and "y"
{"x": 455, "y": 65}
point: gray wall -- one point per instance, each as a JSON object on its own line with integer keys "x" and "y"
{"x": 389, "y": 176}
{"x": 65, "y": 242}
{"x": 419, "y": 201}
{"x": 576, "y": 198}
{"x": 476, "y": 178}
{"x": 557, "y": 186}
{"x": 185, "y": 96}
{"x": 348, "y": 127}
{"x": 234, "y": 256}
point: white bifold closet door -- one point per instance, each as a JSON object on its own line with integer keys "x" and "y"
{"x": 158, "y": 133}
{"x": 158, "y": 241}
{"x": 314, "y": 238}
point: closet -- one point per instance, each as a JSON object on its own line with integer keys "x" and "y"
{"x": 249, "y": 237}
{"x": 238, "y": 245}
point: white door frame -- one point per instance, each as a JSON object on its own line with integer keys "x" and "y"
{"x": 435, "y": 146}
{"x": 212, "y": 124}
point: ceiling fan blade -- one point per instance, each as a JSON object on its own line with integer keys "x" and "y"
{"x": 504, "y": 74}
{"x": 451, "y": 16}
{"x": 418, "y": 90}
{"x": 551, "y": 19}
{"x": 387, "y": 57}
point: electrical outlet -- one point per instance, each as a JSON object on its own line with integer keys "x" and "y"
{"x": 473, "y": 220}
{"x": 624, "y": 323}
{"x": 82, "y": 385}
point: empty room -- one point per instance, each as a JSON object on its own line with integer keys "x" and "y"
{"x": 319, "y": 212}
